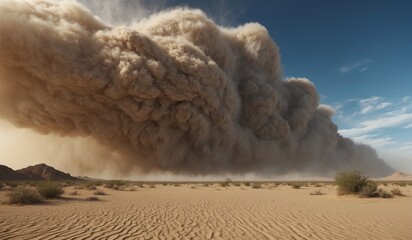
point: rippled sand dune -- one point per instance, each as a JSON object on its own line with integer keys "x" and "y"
{"x": 212, "y": 212}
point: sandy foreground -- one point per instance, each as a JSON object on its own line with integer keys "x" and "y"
{"x": 193, "y": 211}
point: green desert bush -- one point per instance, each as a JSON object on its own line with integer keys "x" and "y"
{"x": 24, "y": 196}
{"x": 49, "y": 189}
{"x": 352, "y": 182}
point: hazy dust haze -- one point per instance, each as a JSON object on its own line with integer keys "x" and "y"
{"x": 173, "y": 92}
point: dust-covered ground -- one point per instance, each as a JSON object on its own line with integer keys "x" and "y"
{"x": 211, "y": 211}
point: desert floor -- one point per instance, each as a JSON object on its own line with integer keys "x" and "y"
{"x": 190, "y": 211}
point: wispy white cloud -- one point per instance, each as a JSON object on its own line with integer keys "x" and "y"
{"x": 375, "y": 141}
{"x": 364, "y": 69}
{"x": 408, "y": 126}
{"x": 361, "y": 65}
{"x": 376, "y": 124}
{"x": 381, "y": 123}
{"x": 372, "y": 104}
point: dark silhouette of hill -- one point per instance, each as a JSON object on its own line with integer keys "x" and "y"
{"x": 7, "y": 173}
{"x": 45, "y": 172}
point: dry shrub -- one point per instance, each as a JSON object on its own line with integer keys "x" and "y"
{"x": 383, "y": 194}
{"x": 92, "y": 199}
{"x": 73, "y": 193}
{"x": 224, "y": 184}
{"x": 90, "y": 186}
{"x": 49, "y": 189}
{"x": 353, "y": 182}
{"x": 256, "y": 186}
{"x": 24, "y": 196}
{"x": 296, "y": 185}
{"x": 317, "y": 192}
{"x": 369, "y": 190}
{"x": 396, "y": 192}
{"x": 113, "y": 183}
{"x": 99, "y": 192}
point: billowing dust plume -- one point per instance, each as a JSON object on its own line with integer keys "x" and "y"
{"x": 174, "y": 92}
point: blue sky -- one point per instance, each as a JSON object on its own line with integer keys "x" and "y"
{"x": 358, "y": 54}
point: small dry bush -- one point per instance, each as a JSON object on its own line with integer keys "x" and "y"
{"x": 113, "y": 183}
{"x": 383, "y": 194}
{"x": 152, "y": 186}
{"x": 237, "y": 184}
{"x": 369, "y": 190}
{"x": 247, "y": 184}
{"x": 49, "y": 189}
{"x": 317, "y": 192}
{"x": 99, "y": 192}
{"x": 24, "y": 196}
{"x": 256, "y": 186}
{"x": 396, "y": 192}
{"x": 318, "y": 185}
{"x": 353, "y": 182}
{"x": 73, "y": 193}
{"x": 90, "y": 186}
{"x": 92, "y": 199}
{"x": 224, "y": 184}
{"x": 296, "y": 185}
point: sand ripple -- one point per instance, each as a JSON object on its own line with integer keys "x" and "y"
{"x": 168, "y": 212}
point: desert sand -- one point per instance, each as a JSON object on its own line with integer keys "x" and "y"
{"x": 194, "y": 211}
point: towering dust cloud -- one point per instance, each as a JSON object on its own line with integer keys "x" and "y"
{"x": 174, "y": 92}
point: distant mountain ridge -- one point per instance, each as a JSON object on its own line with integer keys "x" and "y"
{"x": 7, "y": 173}
{"x": 36, "y": 172}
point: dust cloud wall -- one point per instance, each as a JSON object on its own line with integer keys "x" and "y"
{"x": 173, "y": 92}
